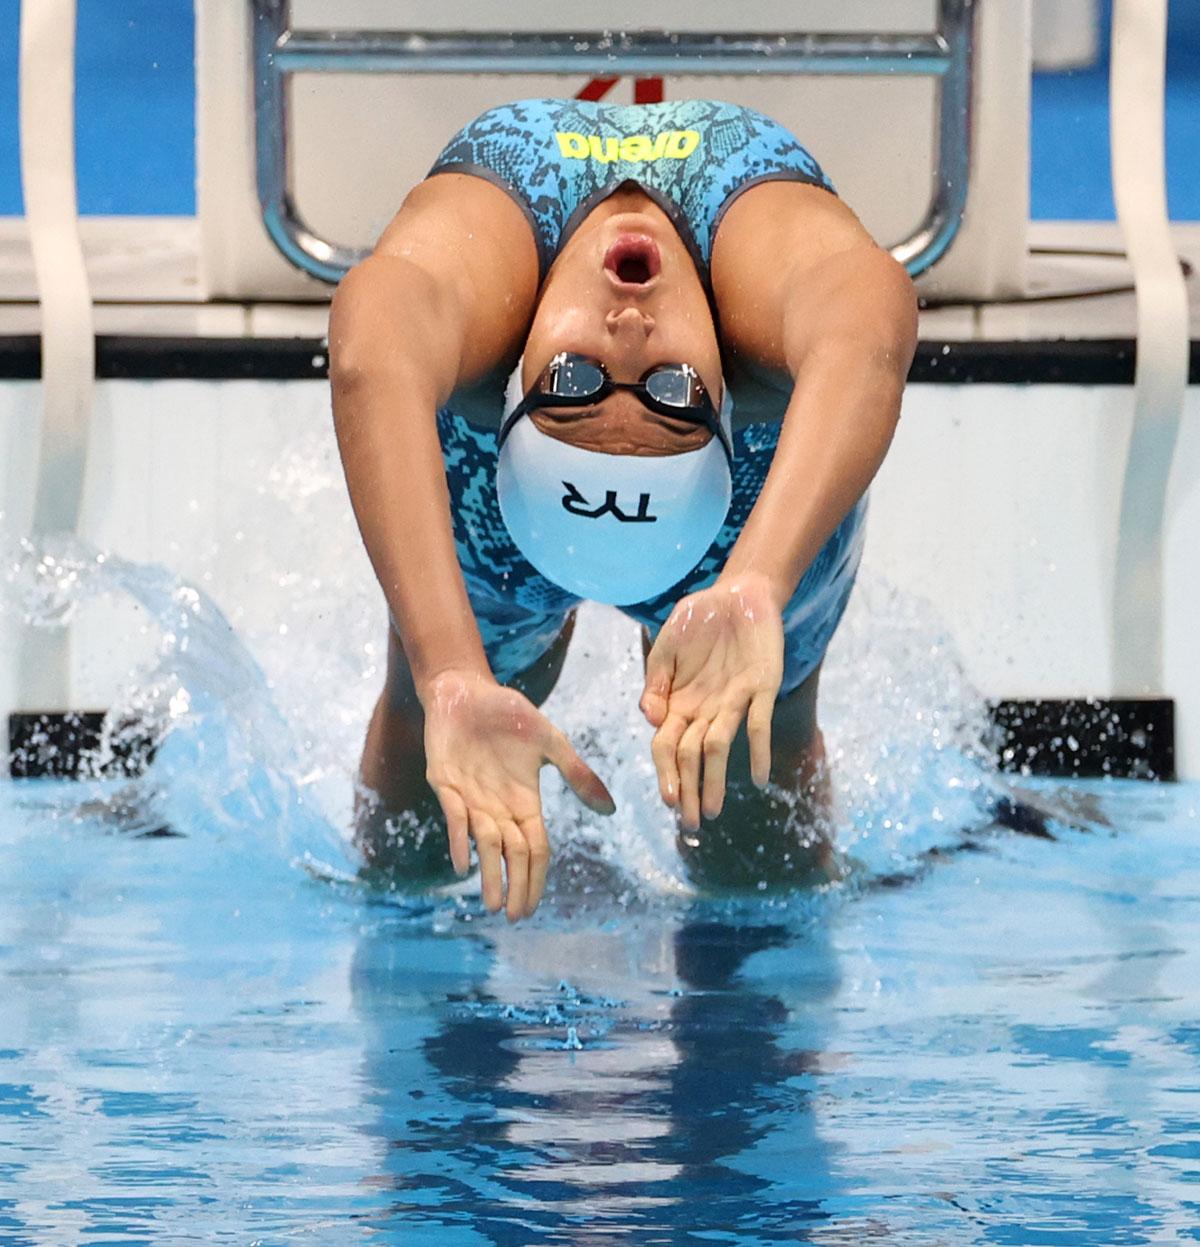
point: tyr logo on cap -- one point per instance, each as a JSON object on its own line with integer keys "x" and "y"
{"x": 577, "y": 504}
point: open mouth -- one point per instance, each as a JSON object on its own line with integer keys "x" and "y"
{"x": 633, "y": 260}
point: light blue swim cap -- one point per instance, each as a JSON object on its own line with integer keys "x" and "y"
{"x": 612, "y": 528}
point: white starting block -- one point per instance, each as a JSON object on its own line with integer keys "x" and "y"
{"x": 317, "y": 116}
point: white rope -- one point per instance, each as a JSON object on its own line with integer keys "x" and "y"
{"x": 47, "y": 127}
{"x": 1136, "y": 109}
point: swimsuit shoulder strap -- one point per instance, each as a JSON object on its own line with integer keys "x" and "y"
{"x": 558, "y": 159}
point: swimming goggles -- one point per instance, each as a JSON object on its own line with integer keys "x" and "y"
{"x": 571, "y": 380}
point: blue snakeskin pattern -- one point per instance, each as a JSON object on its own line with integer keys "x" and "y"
{"x": 520, "y": 612}
{"x": 518, "y": 147}
{"x": 557, "y": 159}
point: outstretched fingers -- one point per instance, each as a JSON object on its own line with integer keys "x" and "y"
{"x": 717, "y": 743}
{"x": 758, "y": 729}
{"x": 664, "y": 749}
{"x": 514, "y": 856}
{"x": 689, "y": 757}
{"x": 539, "y": 860}
{"x": 489, "y": 846}
{"x": 457, "y": 824}
{"x": 584, "y": 782}
{"x": 516, "y": 868}
{"x": 660, "y": 672}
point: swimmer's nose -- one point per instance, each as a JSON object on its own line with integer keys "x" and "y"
{"x": 629, "y": 324}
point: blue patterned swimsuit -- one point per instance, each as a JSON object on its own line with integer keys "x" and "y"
{"x": 558, "y": 159}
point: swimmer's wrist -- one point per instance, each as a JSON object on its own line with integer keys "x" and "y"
{"x": 743, "y": 574}
{"x": 468, "y": 670}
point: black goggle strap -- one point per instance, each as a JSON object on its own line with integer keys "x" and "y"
{"x": 555, "y": 382}
{"x": 522, "y": 408}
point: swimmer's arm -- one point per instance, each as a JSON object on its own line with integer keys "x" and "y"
{"x": 421, "y": 317}
{"x": 846, "y": 334}
{"x": 384, "y": 404}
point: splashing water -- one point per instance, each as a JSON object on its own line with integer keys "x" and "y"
{"x": 908, "y": 734}
{"x": 257, "y": 709}
{"x": 223, "y": 751}
{"x": 237, "y": 1050}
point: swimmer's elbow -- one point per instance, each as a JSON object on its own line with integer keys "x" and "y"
{"x": 862, "y": 309}
{"x": 357, "y": 330}
{"x": 381, "y": 324}
{"x": 878, "y": 312}
{"x": 898, "y": 305}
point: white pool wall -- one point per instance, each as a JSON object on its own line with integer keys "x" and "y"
{"x": 997, "y": 503}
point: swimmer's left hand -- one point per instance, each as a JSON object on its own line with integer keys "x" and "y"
{"x": 717, "y": 660}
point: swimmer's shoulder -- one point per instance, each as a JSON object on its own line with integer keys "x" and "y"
{"x": 476, "y": 249}
{"x": 771, "y": 243}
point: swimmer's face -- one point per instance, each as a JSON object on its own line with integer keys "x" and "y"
{"x": 625, "y": 291}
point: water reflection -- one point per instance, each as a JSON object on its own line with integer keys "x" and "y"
{"x": 192, "y": 1043}
{"x": 633, "y": 1097}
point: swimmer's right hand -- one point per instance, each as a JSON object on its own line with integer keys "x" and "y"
{"x": 484, "y": 747}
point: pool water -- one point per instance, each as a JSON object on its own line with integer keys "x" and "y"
{"x": 210, "y": 1031}
{"x": 201, "y": 1041}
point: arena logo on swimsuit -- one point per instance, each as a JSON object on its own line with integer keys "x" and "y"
{"x": 672, "y": 144}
